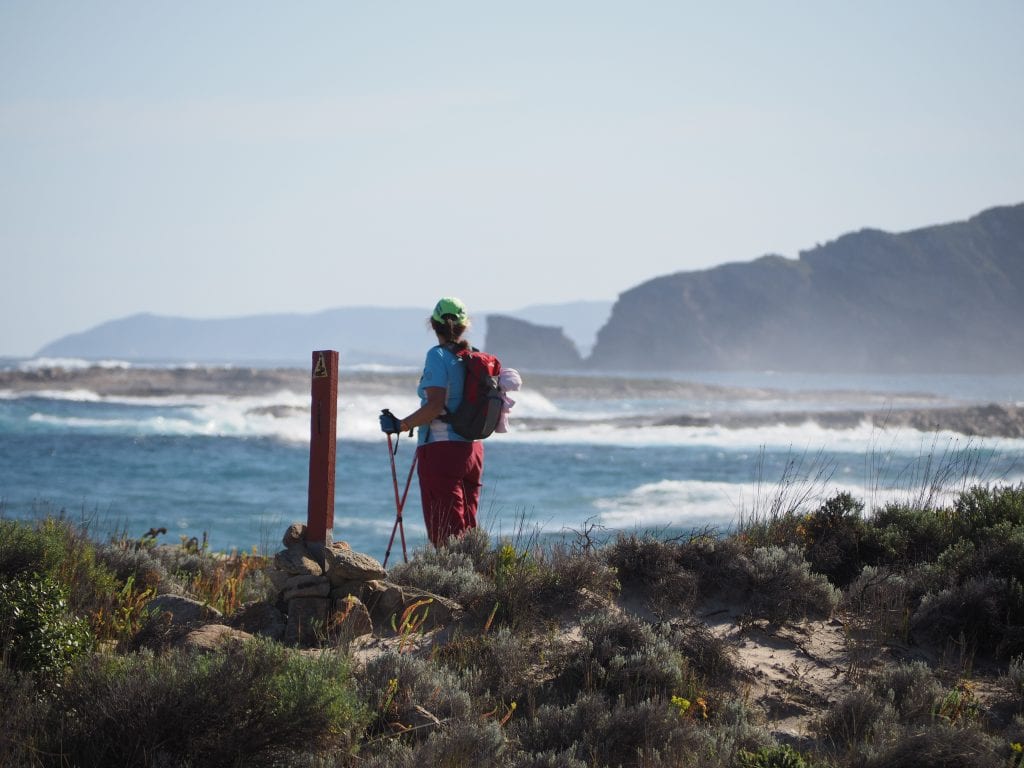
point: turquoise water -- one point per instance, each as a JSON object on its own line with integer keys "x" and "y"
{"x": 223, "y": 467}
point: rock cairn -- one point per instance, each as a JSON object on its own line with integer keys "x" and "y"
{"x": 346, "y": 596}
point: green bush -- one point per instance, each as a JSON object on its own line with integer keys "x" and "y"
{"x": 38, "y": 632}
{"x": 984, "y": 507}
{"x": 986, "y": 614}
{"x": 996, "y": 551}
{"x": 255, "y": 704}
{"x": 902, "y": 535}
{"x": 831, "y": 537}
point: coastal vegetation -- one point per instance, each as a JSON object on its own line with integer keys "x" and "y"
{"x": 814, "y": 637}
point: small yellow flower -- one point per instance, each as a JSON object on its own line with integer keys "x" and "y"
{"x": 682, "y": 705}
{"x": 1017, "y": 746}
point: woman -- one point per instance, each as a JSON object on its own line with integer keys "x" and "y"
{"x": 450, "y": 467}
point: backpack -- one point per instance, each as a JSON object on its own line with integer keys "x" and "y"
{"x": 478, "y": 413}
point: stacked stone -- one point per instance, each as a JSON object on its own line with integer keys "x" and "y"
{"x": 346, "y": 596}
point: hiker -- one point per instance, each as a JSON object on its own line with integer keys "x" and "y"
{"x": 450, "y": 466}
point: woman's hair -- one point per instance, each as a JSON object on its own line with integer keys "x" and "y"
{"x": 450, "y": 331}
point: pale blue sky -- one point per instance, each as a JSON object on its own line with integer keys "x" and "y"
{"x": 231, "y": 158}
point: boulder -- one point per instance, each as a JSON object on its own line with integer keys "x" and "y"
{"x": 183, "y": 610}
{"x": 259, "y": 619}
{"x": 387, "y": 602}
{"x": 384, "y": 600}
{"x": 296, "y": 534}
{"x": 350, "y": 619}
{"x": 348, "y": 565}
{"x": 295, "y": 561}
{"x": 318, "y": 587}
{"x": 212, "y": 636}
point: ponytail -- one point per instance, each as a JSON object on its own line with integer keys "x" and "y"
{"x": 450, "y": 331}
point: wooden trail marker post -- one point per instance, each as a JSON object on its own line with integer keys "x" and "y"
{"x": 323, "y": 430}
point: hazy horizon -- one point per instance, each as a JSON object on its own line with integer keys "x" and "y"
{"x": 247, "y": 158}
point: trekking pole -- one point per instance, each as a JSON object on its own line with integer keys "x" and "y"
{"x": 399, "y": 503}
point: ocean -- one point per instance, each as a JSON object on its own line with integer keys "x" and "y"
{"x": 233, "y": 468}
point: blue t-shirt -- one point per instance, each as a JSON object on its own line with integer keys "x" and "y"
{"x": 442, "y": 368}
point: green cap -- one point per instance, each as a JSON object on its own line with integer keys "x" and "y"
{"x": 449, "y": 305}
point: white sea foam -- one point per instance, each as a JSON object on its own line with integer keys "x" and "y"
{"x": 69, "y": 363}
{"x": 73, "y": 395}
{"x": 809, "y": 435}
{"x": 681, "y": 503}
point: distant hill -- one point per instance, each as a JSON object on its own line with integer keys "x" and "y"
{"x": 946, "y": 298}
{"x": 360, "y": 334}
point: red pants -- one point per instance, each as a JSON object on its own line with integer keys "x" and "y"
{"x": 450, "y": 478}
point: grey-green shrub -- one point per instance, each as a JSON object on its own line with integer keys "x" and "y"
{"x": 449, "y": 573}
{"x": 404, "y": 692}
{"x": 859, "y": 718}
{"x": 624, "y": 657}
{"x": 940, "y": 746}
{"x": 783, "y": 588}
{"x": 912, "y": 689}
{"x": 600, "y": 732}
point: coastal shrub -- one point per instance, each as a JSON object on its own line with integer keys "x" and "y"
{"x": 983, "y": 615}
{"x": 24, "y": 712}
{"x": 650, "y": 564}
{"x": 831, "y": 536}
{"x": 880, "y": 599}
{"x": 1015, "y": 677}
{"x": 579, "y": 572}
{"x": 56, "y": 548}
{"x": 940, "y": 746}
{"x": 462, "y": 744}
{"x": 998, "y": 551}
{"x": 902, "y": 535}
{"x": 599, "y": 732}
{"x": 476, "y": 544}
{"x": 735, "y": 728}
{"x": 411, "y": 695}
{"x": 551, "y": 758}
{"x": 255, "y": 703}
{"x": 128, "y": 561}
{"x": 710, "y": 657}
{"x": 912, "y": 689}
{"x": 458, "y": 744}
{"x": 720, "y": 564}
{"x": 983, "y": 507}
{"x": 499, "y": 663}
{"x": 38, "y": 631}
{"x": 858, "y": 719}
{"x": 783, "y": 587}
{"x": 774, "y": 756}
{"x": 622, "y": 656}
{"x": 447, "y": 572}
